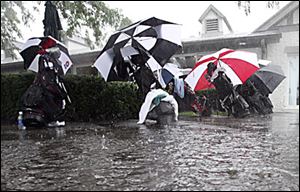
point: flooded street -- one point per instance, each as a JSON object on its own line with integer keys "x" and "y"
{"x": 217, "y": 153}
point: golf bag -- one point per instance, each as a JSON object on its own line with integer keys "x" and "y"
{"x": 44, "y": 101}
{"x": 230, "y": 100}
{"x": 258, "y": 102}
{"x": 192, "y": 102}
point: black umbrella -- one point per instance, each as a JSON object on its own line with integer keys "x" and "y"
{"x": 152, "y": 41}
{"x": 51, "y": 21}
{"x": 34, "y": 47}
{"x": 267, "y": 78}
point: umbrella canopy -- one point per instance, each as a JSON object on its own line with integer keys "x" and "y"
{"x": 153, "y": 40}
{"x": 167, "y": 73}
{"x": 263, "y": 63}
{"x": 238, "y": 65}
{"x": 51, "y": 21}
{"x": 267, "y": 78}
{"x": 36, "y": 46}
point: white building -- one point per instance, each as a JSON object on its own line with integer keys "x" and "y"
{"x": 285, "y": 53}
{"x": 277, "y": 40}
{"x": 214, "y": 23}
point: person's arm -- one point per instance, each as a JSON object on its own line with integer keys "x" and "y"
{"x": 214, "y": 75}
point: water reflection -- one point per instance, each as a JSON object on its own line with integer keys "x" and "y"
{"x": 257, "y": 153}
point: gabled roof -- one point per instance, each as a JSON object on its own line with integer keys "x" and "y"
{"x": 278, "y": 16}
{"x": 212, "y": 8}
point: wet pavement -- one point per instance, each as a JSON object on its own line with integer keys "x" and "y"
{"x": 217, "y": 153}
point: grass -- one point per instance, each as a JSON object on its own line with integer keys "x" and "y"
{"x": 221, "y": 113}
{"x": 188, "y": 113}
{"x": 192, "y": 114}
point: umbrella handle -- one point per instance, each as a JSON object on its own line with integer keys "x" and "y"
{"x": 219, "y": 62}
{"x": 64, "y": 88}
{"x": 69, "y": 99}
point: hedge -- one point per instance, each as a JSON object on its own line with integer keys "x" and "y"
{"x": 92, "y": 99}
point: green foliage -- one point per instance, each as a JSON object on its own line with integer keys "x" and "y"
{"x": 189, "y": 114}
{"x": 10, "y": 22}
{"x": 125, "y": 22}
{"x": 210, "y": 92}
{"x": 12, "y": 88}
{"x": 247, "y": 6}
{"x": 119, "y": 95}
{"x": 92, "y": 98}
{"x": 90, "y": 16}
{"x": 84, "y": 92}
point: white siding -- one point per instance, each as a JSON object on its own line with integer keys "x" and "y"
{"x": 76, "y": 48}
{"x": 296, "y": 16}
{"x": 282, "y": 23}
{"x": 277, "y": 54}
{"x": 210, "y": 15}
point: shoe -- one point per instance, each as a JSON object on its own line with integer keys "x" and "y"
{"x": 56, "y": 124}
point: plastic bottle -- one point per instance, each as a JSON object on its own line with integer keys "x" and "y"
{"x": 20, "y": 121}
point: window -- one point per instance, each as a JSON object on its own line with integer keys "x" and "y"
{"x": 212, "y": 25}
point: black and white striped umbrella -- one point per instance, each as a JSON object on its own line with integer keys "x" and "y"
{"x": 153, "y": 39}
{"x": 37, "y": 46}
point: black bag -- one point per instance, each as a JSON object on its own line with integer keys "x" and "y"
{"x": 33, "y": 96}
{"x": 44, "y": 101}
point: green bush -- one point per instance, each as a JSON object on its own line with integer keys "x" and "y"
{"x": 207, "y": 92}
{"x": 92, "y": 99}
{"x": 12, "y": 88}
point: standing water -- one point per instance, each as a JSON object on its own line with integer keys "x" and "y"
{"x": 217, "y": 153}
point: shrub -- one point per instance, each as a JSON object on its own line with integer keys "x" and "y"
{"x": 92, "y": 99}
{"x": 12, "y": 88}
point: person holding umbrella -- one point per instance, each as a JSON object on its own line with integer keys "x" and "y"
{"x": 220, "y": 80}
{"x": 229, "y": 98}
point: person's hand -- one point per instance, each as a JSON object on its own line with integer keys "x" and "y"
{"x": 207, "y": 77}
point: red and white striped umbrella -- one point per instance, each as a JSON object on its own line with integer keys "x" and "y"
{"x": 239, "y": 66}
